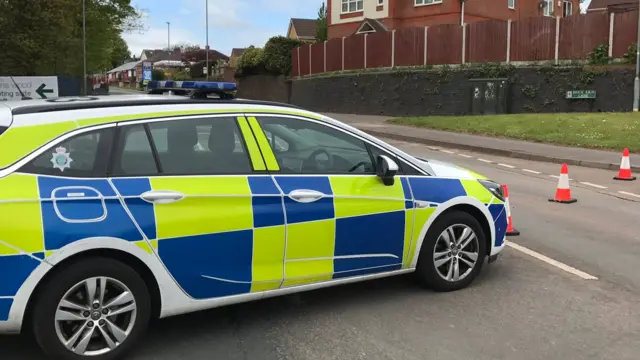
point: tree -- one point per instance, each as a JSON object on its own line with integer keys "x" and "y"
{"x": 119, "y": 52}
{"x": 322, "y": 28}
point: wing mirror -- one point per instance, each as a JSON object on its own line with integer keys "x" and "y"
{"x": 386, "y": 169}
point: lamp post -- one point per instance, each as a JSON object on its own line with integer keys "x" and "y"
{"x": 84, "y": 47}
{"x": 636, "y": 83}
{"x": 207, "y": 37}
{"x": 168, "y": 36}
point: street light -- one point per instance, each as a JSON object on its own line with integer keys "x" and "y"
{"x": 636, "y": 83}
{"x": 168, "y": 36}
{"x": 207, "y": 26}
{"x": 84, "y": 47}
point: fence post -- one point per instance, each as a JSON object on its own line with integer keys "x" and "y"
{"x": 508, "y": 41}
{"x": 325, "y": 56}
{"x": 393, "y": 48}
{"x": 310, "y": 71}
{"x": 298, "y": 49}
{"x": 612, "y": 18}
{"x": 365, "y": 50}
{"x": 343, "y": 53}
{"x": 464, "y": 42}
{"x": 557, "y": 54}
{"x": 426, "y": 28}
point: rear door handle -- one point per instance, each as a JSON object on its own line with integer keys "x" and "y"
{"x": 306, "y": 196}
{"x": 162, "y": 196}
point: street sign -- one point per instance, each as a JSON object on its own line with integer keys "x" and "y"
{"x": 147, "y": 70}
{"x": 581, "y": 94}
{"x": 35, "y": 87}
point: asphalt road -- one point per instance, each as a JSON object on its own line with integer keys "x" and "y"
{"x": 519, "y": 308}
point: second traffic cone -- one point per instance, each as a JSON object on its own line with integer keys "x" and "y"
{"x": 563, "y": 192}
{"x": 511, "y": 231}
{"x": 625, "y": 168}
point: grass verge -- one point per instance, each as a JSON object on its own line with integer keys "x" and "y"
{"x": 589, "y": 130}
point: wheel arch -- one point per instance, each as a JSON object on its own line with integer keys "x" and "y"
{"x": 467, "y": 204}
{"x": 146, "y": 264}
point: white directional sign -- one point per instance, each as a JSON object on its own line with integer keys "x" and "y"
{"x": 35, "y": 87}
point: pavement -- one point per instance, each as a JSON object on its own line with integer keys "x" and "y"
{"x": 534, "y": 303}
{"x": 376, "y": 125}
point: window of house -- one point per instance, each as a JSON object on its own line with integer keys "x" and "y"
{"x": 352, "y": 5}
{"x": 511, "y": 4}
{"x": 380, "y": 2}
{"x": 313, "y": 148}
{"x": 427, "y": 2}
{"x": 186, "y": 147}
{"x": 548, "y": 8}
{"x": 83, "y": 155}
{"x": 567, "y": 8}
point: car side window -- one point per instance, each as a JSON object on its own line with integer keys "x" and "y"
{"x": 403, "y": 167}
{"x": 306, "y": 147}
{"x": 208, "y": 146}
{"x": 83, "y": 155}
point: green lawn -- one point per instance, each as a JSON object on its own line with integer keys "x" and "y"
{"x": 591, "y": 130}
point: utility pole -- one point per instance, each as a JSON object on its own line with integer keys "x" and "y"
{"x": 84, "y": 47}
{"x": 207, "y": 26}
{"x": 636, "y": 83}
{"x": 168, "y": 36}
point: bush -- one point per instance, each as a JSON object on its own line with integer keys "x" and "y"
{"x": 631, "y": 55}
{"x": 277, "y": 54}
{"x": 157, "y": 74}
{"x": 251, "y": 61}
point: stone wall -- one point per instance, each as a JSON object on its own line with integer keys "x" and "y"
{"x": 448, "y": 91}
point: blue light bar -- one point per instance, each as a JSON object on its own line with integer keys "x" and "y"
{"x": 207, "y": 86}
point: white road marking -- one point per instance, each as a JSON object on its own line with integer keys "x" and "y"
{"x": 433, "y": 148}
{"x": 485, "y": 160}
{"x": 629, "y": 193}
{"x": 531, "y": 171}
{"x": 594, "y": 185}
{"x": 465, "y": 155}
{"x": 507, "y": 166}
{"x": 448, "y": 151}
{"x": 552, "y": 262}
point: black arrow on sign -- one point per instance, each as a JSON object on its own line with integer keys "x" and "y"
{"x": 42, "y": 91}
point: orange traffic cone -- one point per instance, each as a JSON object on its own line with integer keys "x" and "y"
{"x": 510, "y": 230}
{"x": 625, "y": 168}
{"x": 563, "y": 193}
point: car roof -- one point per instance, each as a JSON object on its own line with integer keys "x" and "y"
{"x": 22, "y": 107}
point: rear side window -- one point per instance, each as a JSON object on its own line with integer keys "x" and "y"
{"x": 210, "y": 146}
{"x": 84, "y": 155}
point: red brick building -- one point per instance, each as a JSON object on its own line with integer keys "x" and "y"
{"x": 347, "y": 17}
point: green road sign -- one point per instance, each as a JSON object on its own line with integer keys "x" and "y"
{"x": 581, "y": 94}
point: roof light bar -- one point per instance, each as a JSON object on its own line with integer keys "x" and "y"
{"x": 196, "y": 89}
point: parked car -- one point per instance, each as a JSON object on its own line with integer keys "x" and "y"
{"x": 120, "y": 209}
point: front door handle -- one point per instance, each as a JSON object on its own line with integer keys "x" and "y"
{"x": 305, "y": 196}
{"x": 162, "y": 196}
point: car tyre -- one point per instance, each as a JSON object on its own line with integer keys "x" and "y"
{"x": 45, "y": 326}
{"x": 434, "y": 252}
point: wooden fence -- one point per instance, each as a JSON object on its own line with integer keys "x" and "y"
{"x": 527, "y": 40}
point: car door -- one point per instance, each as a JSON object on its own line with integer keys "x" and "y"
{"x": 342, "y": 220}
{"x": 199, "y": 190}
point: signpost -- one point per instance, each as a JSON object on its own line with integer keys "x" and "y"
{"x": 35, "y": 87}
{"x": 146, "y": 72}
{"x": 581, "y": 94}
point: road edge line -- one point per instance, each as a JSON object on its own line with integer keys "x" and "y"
{"x": 570, "y": 269}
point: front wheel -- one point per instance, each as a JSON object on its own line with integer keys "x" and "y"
{"x": 452, "y": 253}
{"x": 96, "y": 308}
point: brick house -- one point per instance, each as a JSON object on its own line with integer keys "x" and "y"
{"x": 347, "y": 17}
{"x": 235, "y": 54}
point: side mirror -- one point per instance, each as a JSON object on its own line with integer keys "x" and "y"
{"x": 386, "y": 169}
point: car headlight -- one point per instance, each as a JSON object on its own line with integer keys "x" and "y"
{"x": 495, "y": 188}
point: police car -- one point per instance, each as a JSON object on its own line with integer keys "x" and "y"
{"x": 119, "y": 209}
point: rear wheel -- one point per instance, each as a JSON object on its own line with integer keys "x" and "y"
{"x": 452, "y": 253}
{"x": 97, "y": 308}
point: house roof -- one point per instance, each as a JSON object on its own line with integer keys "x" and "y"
{"x": 371, "y": 25}
{"x": 237, "y": 51}
{"x": 126, "y": 66}
{"x": 605, "y": 4}
{"x": 158, "y": 55}
{"x": 305, "y": 28}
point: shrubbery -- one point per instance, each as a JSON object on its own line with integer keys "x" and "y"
{"x": 275, "y": 58}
